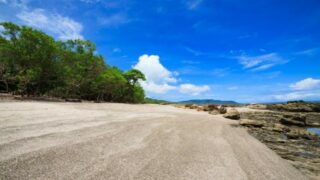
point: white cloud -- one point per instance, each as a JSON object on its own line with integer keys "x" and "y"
{"x": 193, "y": 89}
{"x": 114, "y": 20}
{"x": 157, "y": 88}
{"x": 297, "y": 96}
{"x": 90, "y": 1}
{"x": 62, "y": 27}
{"x": 232, "y": 88}
{"x": 309, "y": 52}
{"x": 220, "y": 72}
{"x": 116, "y": 50}
{"x": 194, "y": 52}
{"x": 263, "y": 67}
{"x": 306, "y": 84}
{"x": 158, "y": 77}
{"x": 262, "y": 62}
{"x": 193, "y": 4}
{"x": 160, "y": 80}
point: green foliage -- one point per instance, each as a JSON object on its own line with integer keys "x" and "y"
{"x": 155, "y": 101}
{"x": 32, "y": 63}
{"x": 134, "y": 75}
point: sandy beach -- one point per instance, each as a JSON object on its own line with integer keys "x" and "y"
{"x": 42, "y": 140}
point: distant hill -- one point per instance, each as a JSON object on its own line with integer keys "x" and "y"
{"x": 206, "y": 101}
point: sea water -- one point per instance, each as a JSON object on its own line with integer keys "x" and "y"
{"x": 314, "y": 130}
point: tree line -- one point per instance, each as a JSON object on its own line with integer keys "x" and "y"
{"x": 33, "y": 63}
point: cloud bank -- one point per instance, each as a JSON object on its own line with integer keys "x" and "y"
{"x": 62, "y": 27}
{"x": 306, "y": 84}
{"x": 308, "y": 88}
{"x": 159, "y": 80}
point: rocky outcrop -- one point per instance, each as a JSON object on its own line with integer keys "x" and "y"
{"x": 296, "y": 133}
{"x": 293, "y": 119}
{"x": 312, "y": 119}
{"x": 295, "y": 106}
{"x": 253, "y": 123}
{"x": 282, "y": 128}
{"x": 211, "y": 108}
{"x": 299, "y": 147}
{"x": 257, "y": 106}
{"x": 279, "y": 128}
{"x": 222, "y": 109}
{"x": 286, "y": 134}
{"x": 232, "y": 114}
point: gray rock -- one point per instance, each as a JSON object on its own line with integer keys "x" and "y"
{"x": 296, "y": 133}
{"x": 222, "y": 109}
{"x": 293, "y": 119}
{"x": 295, "y": 106}
{"x": 280, "y": 128}
{"x": 249, "y": 122}
{"x": 313, "y": 119}
{"x": 232, "y": 114}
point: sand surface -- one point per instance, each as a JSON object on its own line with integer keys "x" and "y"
{"x": 41, "y": 140}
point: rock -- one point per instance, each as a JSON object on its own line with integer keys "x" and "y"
{"x": 295, "y": 106}
{"x": 232, "y": 114}
{"x": 212, "y": 107}
{"x": 206, "y": 108}
{"x": 187, "y": 106}
{"x": 296, "y": 133}
{"x": 257, "y": 106}
{"x": 281, "y": 134}
{"x": 193, "y": 106}
{"x": 313, "y": 119}
{"x": 200, "y": 108}
{"x": 293, "y": 119}
{"x": 280, "y": 128}
{"x": 249, "y": 122}
{"x": 214, "y": 112}
{"x": 222, "y": 109}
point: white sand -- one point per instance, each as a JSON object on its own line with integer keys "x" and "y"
{"x": 41, "y": 140}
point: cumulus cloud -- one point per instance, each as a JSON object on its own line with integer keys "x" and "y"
{"x": 305, "y": 89}
{"x": 261, "y": 62}
{"x": 297, "y": 96}
{"x": 193, "y": 89}
{"x": 160, "y": 80}
{"x": 158, "y": 77}
{"x": 306, "y": 84}
{"x": 62, "y": 27}
{"x": 157, "y": 88}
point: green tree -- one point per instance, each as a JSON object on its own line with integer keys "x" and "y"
{"x": 110, "y": 85}
{"x": 80, "y": 67}
{"x": 33, "y": 63}
{"x": 134, "y": 92}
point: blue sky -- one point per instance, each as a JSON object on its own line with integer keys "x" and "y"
{"x": 242, "y": 50}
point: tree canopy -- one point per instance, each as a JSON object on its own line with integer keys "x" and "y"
{"x": 33, "y": 63}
